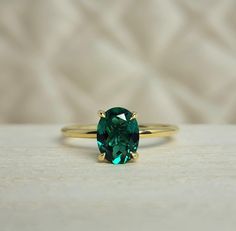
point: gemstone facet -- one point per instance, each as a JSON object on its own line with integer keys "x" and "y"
{"x": 118, "y": 135}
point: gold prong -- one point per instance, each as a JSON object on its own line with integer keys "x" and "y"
{"x": 101, "y": 113}
{"x": 134, "y": 155}
{"x": 134, "y": 115}
{"x": 101, "y": 156}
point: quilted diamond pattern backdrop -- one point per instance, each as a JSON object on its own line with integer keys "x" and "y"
{"x": 172, "y": 61}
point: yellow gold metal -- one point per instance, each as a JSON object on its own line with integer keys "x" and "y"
{"x": 101, "y": 156}
{"x": 145, "y": 130}
{"x": 102, "y": 113}
{"x": 135, "y": 155}
{"x": 134, "y": 115}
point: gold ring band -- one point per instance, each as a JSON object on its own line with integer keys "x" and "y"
{"x": 145, "y": 130}
{"x": 118, "y": 134}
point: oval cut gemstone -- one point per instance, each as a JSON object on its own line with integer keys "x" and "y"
{"x": 118, "y": 135}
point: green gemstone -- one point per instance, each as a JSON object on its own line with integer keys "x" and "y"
{"x": 118, "y": 135}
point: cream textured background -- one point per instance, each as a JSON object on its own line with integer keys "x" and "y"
{"x": 172, "y": 61}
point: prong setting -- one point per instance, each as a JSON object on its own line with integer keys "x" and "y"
{"x": 102, "y": 114}
{"x": 101, "y": 157}
{"x": 134, "y": 155}
{"x": 134, "y": 115}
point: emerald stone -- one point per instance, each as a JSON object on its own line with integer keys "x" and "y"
{"x": 118, "y": 135}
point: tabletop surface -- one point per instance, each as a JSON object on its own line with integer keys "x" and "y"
{"x": 186, "y": 183}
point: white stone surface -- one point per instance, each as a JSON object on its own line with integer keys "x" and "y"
{"x": 188, "y": 183}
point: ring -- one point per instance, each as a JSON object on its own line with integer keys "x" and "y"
{"x": 118, "y": 134}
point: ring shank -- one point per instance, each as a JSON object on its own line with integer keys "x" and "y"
{"x": 145, "y": 130}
